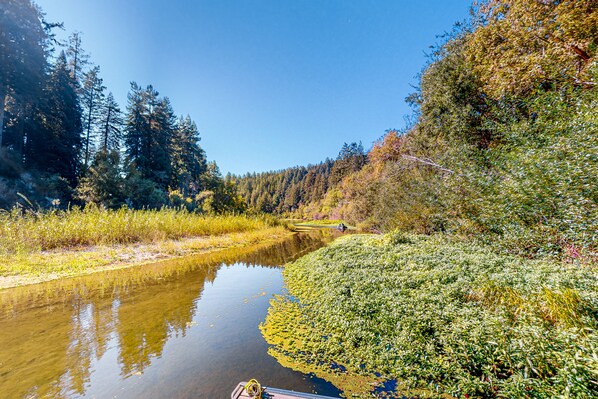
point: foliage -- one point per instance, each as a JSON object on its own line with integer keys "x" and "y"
{"x": 27, "y": 231}
{"x": 92, "y": 98}
{"x": 519, "y": 46}
{"x": 23, "y": 40}
{"x": 57, "y": 146}
{"x": 33, "y": 266}
{"x": 110, "y": 125}
{"x": 103, "y": 183}
{"x": 351, "y": 159}
{"x": 440, "y": 317}
{"x": 504, "y": 146}
{"x": 150, "y": 125}
{"x": 292, "y": 190}
{"x": 286, "y": 190}
{"x": 541, "y": 196}
{"x": 188, "y": 158}
{"x": 55, "y": 116}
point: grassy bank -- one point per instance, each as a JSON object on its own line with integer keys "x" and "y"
{"x": 38, "y": 247}
{"x": 318, "y": 224}
{"x": 30, "y": 232}
{"x": 436, "y": 318}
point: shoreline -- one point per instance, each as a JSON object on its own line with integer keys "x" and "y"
{"x": 73, "y": 262}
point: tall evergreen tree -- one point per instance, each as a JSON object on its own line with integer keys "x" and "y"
{"x": 57, "y": 146}
{"x": 351, "y": 158}
{"x": 148, "y": 137}
{"x": 110, "y": 125}
{"x": 136, "y": 123}
{"x": 188, "y": 158}
{"x": 92, "y": 97}
{"x": 162, "y": 129}
{"x": 103, "y": 183}
{"x": 23, "y": 43}
{"x": 78, "y": 59}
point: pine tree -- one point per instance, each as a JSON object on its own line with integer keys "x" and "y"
{"x": 188, "y": 158}
{"x": 136, "y": 124}
{"x": 149, "y": 131}
{"x": 92, "y": 96}
{"x": 162, "y": 130}
{"x": 103, "y": 183}
{"x": 351, "y": 158}
{"x": 110, "y": 124}
{"x": 78, "y": 59}
{"x": 23, "y": 44}
{"x": 57, "y": 145}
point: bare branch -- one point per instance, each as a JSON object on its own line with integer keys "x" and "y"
{"x": 429, "y": 162}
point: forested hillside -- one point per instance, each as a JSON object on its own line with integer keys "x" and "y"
{"x": 65, "y": 140}
{"x": 505, "y": 145}
{"x": 291, "y": 190}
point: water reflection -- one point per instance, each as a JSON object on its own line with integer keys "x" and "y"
{"x": 178, "y": 328}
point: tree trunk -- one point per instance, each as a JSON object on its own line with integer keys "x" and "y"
{"x": 107, "y": 131}
{"x": 21, "y": 131}
{"x": 3, "y": 97}
{"x": 88, "y": 133}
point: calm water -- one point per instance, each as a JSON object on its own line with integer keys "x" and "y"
{"x": 175, "y": 329}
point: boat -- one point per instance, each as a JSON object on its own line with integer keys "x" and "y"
{"x": 245, "y": 390}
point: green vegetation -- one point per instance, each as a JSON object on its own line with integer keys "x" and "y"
{"x": 290, "y": 191}
{"x": 503, "y": 145}
{"x": 498, "y": 297}
{"x": 489, "y": 290}
{"x": 443, "y": 318}
{"x": 319, "y": 223}
{"x": 79, "y": 241}
{"x": 62, "y": 137}
{"x": 94, "y": 226}
{"x": 284, "y": 191}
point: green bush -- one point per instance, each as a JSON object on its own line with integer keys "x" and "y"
{"x": 440, "y": 317}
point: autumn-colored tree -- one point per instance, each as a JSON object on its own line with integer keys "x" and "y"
{"x": 520, "y": 45}
{"x": 388, "y": 148}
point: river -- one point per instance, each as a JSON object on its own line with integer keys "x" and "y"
{"x": 185, "y": 328}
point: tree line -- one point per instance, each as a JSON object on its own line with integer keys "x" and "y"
{"x": 503, "y": 147}
{"x": 291, "y": 189}
{"x": 65, "y": 140}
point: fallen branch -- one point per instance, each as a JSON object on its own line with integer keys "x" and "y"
{"x": 429, "y": 162}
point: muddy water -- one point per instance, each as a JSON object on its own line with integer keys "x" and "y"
{"x": 176, "y": 329}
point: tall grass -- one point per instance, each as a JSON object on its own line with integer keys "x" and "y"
{"x": 29, "y": 232}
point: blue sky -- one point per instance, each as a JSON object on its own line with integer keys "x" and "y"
{"x": 270, "y": 83}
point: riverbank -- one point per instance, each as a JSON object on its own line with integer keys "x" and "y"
{"x": 36, "y": 247}
{"x": 303, "y": 225}
{"x": 435, "y": 317}
{"x": 33, "y": 268}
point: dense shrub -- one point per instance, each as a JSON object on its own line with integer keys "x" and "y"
{"x": 439, "y": 317}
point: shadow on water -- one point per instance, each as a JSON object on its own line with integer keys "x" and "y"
{"x": 180, "y": 328}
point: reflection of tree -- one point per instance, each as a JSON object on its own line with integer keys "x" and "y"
{"x": 38, "y": 335}
{"x": 51, "y": 334}
{"x": 147, "y": 318}
{"x": 47, "y": 352}
{"x": 288, "y": 250}
{"x": 92, "y": 324}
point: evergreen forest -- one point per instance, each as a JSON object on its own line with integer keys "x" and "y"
{"x": 65, "y": 141}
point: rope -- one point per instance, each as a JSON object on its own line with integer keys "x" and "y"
{"x": 253, "y": 389}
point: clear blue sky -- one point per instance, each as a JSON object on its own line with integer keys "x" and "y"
{"x": 270, "y": 83}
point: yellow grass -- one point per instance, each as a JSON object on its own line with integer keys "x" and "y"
{"x": 38, "y": 246}
{"x": 32, "y": 232}
{"x": 23, "y": 268}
